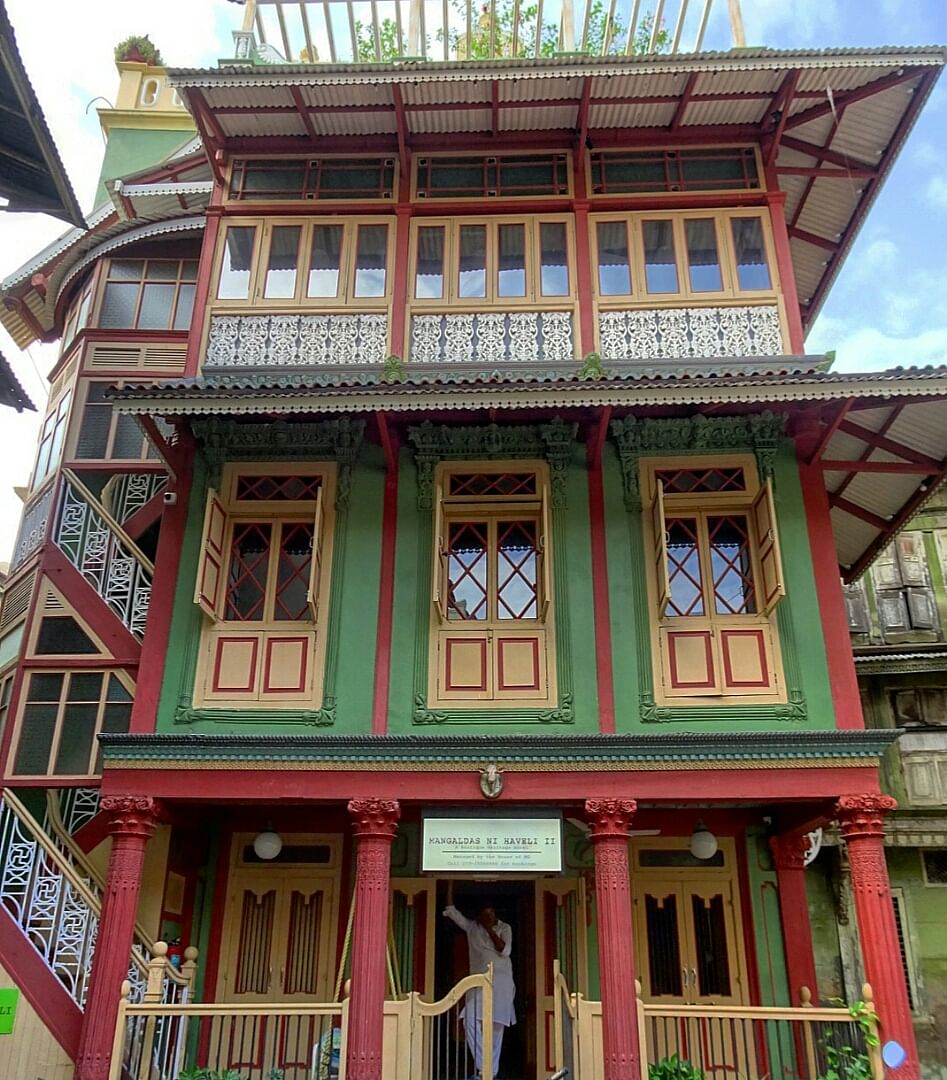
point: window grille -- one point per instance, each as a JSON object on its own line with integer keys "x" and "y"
{"x": 509, "y": 176}
{"x": 322, "y": 178}
{"x": 904, "y": 948}
{"x": 935, "y": 867}
{"x": 646, "y": 172}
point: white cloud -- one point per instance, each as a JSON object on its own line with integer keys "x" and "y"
{"x": 936, "y": 192}
{"x": 870, "y": 349}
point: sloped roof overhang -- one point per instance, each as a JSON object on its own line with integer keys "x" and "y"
{"x": 32, "y": 176}
{"x": 11, "y": 393}
{"x": 829, "y": 122}
{"x": 879, "y": 439}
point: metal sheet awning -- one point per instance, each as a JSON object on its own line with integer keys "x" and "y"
{"x": 32, "y": 177}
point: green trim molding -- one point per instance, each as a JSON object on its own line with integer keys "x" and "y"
{"x": 568, "y": 752}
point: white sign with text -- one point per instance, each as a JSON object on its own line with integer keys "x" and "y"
{"x": 492, "y": 844}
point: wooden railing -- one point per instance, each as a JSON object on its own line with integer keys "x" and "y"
{"x": 721, "y": 1042}
{"x": 158, "y": 1039}
{"x": 426, "y": 1040}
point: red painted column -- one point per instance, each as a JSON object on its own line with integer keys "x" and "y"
{"x": 610, "y": 820}
{"x": 375, "y": 824}
{"x": 789, "y": 852}
{"x": 132, "y": 822}
{"x": 861, "y": 818}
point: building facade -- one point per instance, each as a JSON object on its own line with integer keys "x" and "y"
{"x": 436, "y": 501}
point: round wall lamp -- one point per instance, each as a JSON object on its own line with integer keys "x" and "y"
{"x": 703, "y": 843}
{"x": 267, "y": 844}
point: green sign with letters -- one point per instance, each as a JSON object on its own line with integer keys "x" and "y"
{"x": 9, "y": 999}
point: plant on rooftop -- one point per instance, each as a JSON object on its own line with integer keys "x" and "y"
{"x": 138, "y": 49}
{"x": 603, "y": 35}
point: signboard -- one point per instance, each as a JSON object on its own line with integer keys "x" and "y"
{"x": 492, "y": 844}
{"x": 9, "y": 999}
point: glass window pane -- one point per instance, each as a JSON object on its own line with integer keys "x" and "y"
{"x": 467, "y": 571}
{"x": 126, "y": 269}
{"x": 325, "y": 257}
{"x": 370, "y": 260}
{"x": 118, "y": 306}
{"x": 684, "y": 574}
{"x": 237, "y": 262}
{"x": 128, "y": 441}
{"x": 283, "y": 262}
{"x": 75, "y": 742}
{"x": 85, "y": 686}
{"x": 292, "y": 577}
{"x": 517, "y": 556}
{"x": 189, "y": 270}
{"x": 46, "y": 687}
{"x": 614, "y": 271}
{"x": 247, "y": 573}
{"x": 752, "y": 270}
{"x": 161, "y": 270}
{"x": 732, "y": 565}
{"x": 156, "y": 304}
{"x": 429, "y": 274}
{"x": 553, "y": 260}
{"x": 472, "y": 263}
{"x": 664, "y": 948}
{"x": 185, "y": 308}
{"x": 659, "y": 260}
{"x": 94, "y": 431}
{"x": 36, "y": 739}
{"x": 710, "y": 945}
{"x": 511, "y": 260}
{"x": 702, "y": 258}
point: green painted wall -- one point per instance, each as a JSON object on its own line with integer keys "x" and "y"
{"x": 356, "y": 568}
{"x": 799, "y": 618}
{"x": 129, "y": 150}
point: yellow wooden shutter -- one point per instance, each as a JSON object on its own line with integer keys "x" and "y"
{"x": 439, "y": 585}
{"x": 772, "y": 584}
{"x": 315, "y": 562}
{"x": 545, "y": 556}
{"x": 662, "y": 578}
{"x": 210, "y": 569}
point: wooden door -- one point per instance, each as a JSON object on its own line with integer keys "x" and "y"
{"x": 279, "y": 937}
{"x": 561, "y": 934}
{"x": 413, "y": 915}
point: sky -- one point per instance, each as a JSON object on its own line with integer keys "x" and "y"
{"x": 888, "y": 306}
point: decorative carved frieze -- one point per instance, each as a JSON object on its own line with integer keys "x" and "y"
{"x": 285, "y": 341}
{"x": 861, "y": 816}
{"x": 690, "y": 333}
{"x": 492, "y": 337}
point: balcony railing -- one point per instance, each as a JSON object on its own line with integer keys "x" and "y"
{"x": 721, "y": 1042}
{"x": 365, "y": 31}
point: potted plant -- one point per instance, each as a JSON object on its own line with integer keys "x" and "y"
{"x": 138, "y": 49}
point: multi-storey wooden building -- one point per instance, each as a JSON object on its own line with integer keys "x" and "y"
{"x": 435, "y": 489}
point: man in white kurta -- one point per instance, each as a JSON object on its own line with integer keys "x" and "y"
{"x": 489, "y": 941}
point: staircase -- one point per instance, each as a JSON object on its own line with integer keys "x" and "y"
{"x": 50, "y": 902}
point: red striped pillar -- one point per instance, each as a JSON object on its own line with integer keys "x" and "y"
{"x": 132, "y": 821}
{"x": 789, "y": 856}
{"x": 610, "y": 820}
{"x": 375, "y": 824}
{"x": 861, "y": 819}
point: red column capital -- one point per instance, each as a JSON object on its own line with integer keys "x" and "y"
{"x": 610, "y": 817}
{"x": 789, "y": 850}
{"x": 375, "y": 817}
{"x": 132, "y": 815}
{"x": 863, "y": 815}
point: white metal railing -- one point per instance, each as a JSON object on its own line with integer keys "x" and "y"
{"x": 492, "y": 337}
{"x": 365, "y": 31}
{"x": 104, "y": 555}
{"x": 276, "y": 341}
{"x": 55, "y": 898}
{"x": 680, "y": 333}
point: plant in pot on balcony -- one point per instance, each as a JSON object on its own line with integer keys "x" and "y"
{"x": 138, "y": 49}
{"x": 198, "y": 1073}
{"x": 674, "y": 1068}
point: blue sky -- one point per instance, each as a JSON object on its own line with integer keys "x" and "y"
{"x": 888, "y": 306}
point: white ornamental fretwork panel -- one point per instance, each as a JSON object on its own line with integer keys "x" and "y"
{"x": 32, "y": 528}
{"x": 690, "y": 333}
{"x": 492, "y": 337}
{"x": 104, "y": 559}
{"x": 283, "y": 341}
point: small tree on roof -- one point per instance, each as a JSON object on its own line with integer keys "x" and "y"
{"x": 138, "y": 49}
